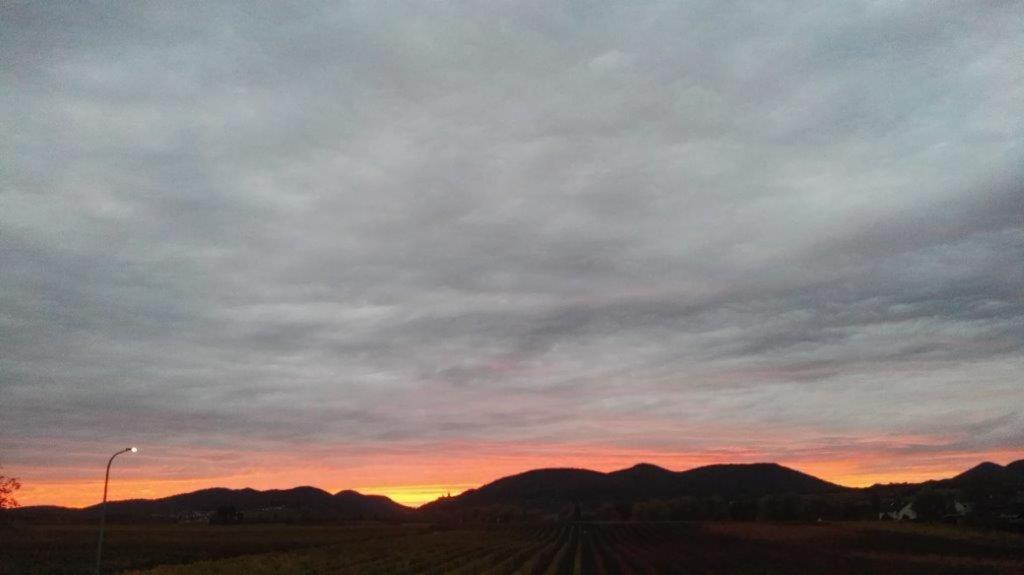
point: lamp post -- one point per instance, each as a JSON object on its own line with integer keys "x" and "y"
{"x": 103, "y": 506}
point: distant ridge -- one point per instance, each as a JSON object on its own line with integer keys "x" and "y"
{"x": 540, "y": 489}
{"x": 549, "y": 488}
{"x": 284, "y": 504}
{"x": 990, "y": 473}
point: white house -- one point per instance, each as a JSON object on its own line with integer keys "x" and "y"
{"x": 907, "y": 513}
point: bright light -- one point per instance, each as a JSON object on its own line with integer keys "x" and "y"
{"x": 135, "y": 450}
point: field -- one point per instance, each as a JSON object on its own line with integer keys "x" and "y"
{"x": 601, "y": 548}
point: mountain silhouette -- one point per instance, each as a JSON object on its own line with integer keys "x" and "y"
{"x": 1016, "y": 467}
{"x": 539, "y": 489}
{"x": 285, "y": 504}
{"x": 989, "y": 473}
{"x": 550, "y": 488}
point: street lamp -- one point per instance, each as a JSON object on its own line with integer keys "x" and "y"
{"x": 103, "y": 506}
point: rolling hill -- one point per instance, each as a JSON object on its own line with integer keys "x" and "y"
{"x": 540, "y": 490}
{"x": 551, "y": 488}
{"x": 275, "y": 504}
{"x": 988, "y": 473}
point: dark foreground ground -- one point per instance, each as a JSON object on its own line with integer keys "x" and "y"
{"x": 727, "y": 548}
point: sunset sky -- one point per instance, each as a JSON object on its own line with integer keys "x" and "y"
{"x": 410, "y": 247}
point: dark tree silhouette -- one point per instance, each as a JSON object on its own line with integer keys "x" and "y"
{"x": 930, "y": 504}
{"x": 226, "y": 515}
{"x": 8, "y": 485}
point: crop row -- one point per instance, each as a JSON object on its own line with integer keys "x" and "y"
{"x": 613, "y": 548}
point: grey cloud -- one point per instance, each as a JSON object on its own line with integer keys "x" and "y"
{"x": 371, "y": 222}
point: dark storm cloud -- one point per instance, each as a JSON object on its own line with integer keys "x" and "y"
{"x": 506, "y": 222}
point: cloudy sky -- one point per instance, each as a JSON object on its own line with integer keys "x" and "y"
{"x": 412, "y": 247}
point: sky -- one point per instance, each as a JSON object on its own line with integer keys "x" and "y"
{"x": 410, "y": 247}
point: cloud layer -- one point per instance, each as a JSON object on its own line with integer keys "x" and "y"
{"x": 790, "y": 232}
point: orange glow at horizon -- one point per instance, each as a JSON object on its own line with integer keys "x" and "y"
{"x": 416, "y": 495}
{"x": 85, "y": 494}
{"x": 417, "y": 479}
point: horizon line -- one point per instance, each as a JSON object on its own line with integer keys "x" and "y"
{"x": 396, "y": 487}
